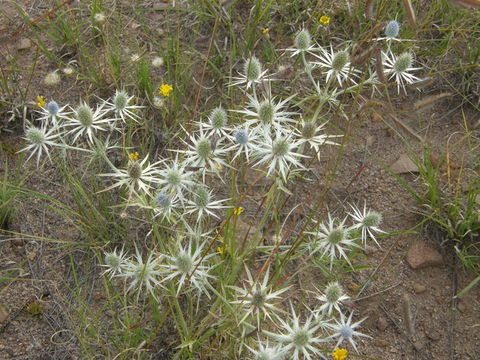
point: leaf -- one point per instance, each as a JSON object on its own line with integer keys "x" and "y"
{"x": 468, "y": 287}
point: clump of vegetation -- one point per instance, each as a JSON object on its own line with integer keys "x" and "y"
{"x": 183, "y": 193}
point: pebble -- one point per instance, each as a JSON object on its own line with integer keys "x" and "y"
{"x": 24, "y": 44}
{"x": 381, "y": 343}
{"x": 419, "y": 288}
{"x": 3, "y": 314}
{"x": 352, "y": 286}
{"x": 382, "y": 323}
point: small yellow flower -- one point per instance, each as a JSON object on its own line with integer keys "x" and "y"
{"x": 265, "y": 31}
{"x": 238, "y": 211}
{"x": 340, "y": 354}
{"x": 325, "y": 20}
{"x": 221, "y": 251}
{"x": 133, "y": 156}
{"x": 165, "y": 89}
{"x": 40, "y": 101}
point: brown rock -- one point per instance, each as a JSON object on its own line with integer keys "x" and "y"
{"x": 419, "y": 288}
{"x": 382, "y": 323}
{"x": 24, "y": 44}
{"x": 381, "y": 343}
{"x": 404, "y": 165}
{"x": 420, "y": 256}
{"x": 3, "y": 314}
{"x": 371, "y": 140}
{"x": 433, "y": 335}
{"x": 352, "y": 286}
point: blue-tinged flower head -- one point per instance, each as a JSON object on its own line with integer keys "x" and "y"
{"x": 53, "y": 108}
{"x": 241, "y": 137}
{"x": 392, "y": 29}
{"x": 162, "y": 200}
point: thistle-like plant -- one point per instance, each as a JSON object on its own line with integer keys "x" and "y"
{"x": 336, "y": 65}
{"x": 187, "y": 263}
{"x": 257, "y": 298}
{"x": 40, "y": 140}
{"x": 116, "y": 263}
{"x": 279, "y": 153}
{"x": 345, "y": 330}
{"x": 400, "y": 68}
{"x": 86, "y": 121}
{"x": 142, "y": 273}
{"x": 52, "y": 113}
{"x": 138, "y": 175}
{"x": 253, "y": 73}
{"x": 121, "y": 106}
{"x": 202, "y": 203}
{"x": 368, "y": 221}
{"x": 300, "y": 338}
{"x": 332, "y": 239}
{"x": 332, "y": 298}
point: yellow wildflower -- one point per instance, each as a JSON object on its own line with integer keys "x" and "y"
{"x": 340, "y": 354}
{"x": 238, "y": 211}
{"x": 40, "y": 101}
{"x": 325, "y": 20}
{"x": 165, "y": 89}
{"x": 265, "y": 31}
{"x": 133, "y": 156}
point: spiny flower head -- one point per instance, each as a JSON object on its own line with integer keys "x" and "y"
{"x": 299, "y": 338}
{"x": 345, "y": 330}
{"x": 332, "y": 238}
{"x": 203, "y": 203}
{"x": 52, "y": 79}
{"x": 368, "y": 221}
{"x": 340, "y": 59}
{"x": 253, "y": 73}
{"x": 143, "y": 273}
{"x": 138, "y": 175}
{"x": 257, "y": 298}
{"x": 399, "y": 67}
{"x": 303, "y": 40}
{"x": 188, "y": 264}
{"x": 40, "y": 140}
{"x": 175, "y": 179}
{"x": 392, "y": 29}
{"x": 403, "y": 63}
{"x": 337, "y": 65}
{"x": 252, "y": 69}
{"x": 53, "y": 108}
{"x": 217, "y": 122}
{"x": 266, "y": 352}
{"x": 115, "y": 263}
{"x": 332, "y": 298}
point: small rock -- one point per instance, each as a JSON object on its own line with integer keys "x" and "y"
{"x": 420, "y": 256}
{"x": 352, "y": 286}
{"x": 3, "y": 314}
{"x": 382, "y": 323}
{"x": 419, "y": 288}
{"x": 432, "y": 335}
{"x": 24, "y": 44}
{"x": 381, "y": 343}
{"x": 370, "y": 140}
{"x": 404, "y": 165}
{"x": 461, "y": 306}
{"x": 17, "y": 241}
